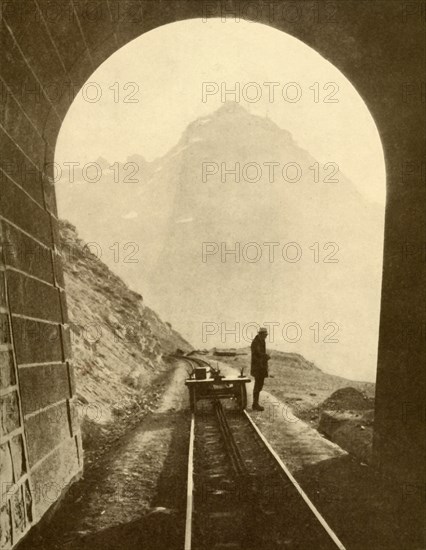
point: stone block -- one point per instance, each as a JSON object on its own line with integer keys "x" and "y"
{"x": 33, "y": 298}
{"x": 17, "y": 207}
{"x": 47, "y": 430}
{"x": 21, "y": 130}
{"x": 18, "y": 511}
{"x": 27, "y": 255}
{"x": 5, "y": 525}
{"x": 35, "y": 43}
{"x": 9, "y": 413}
{"x": 95, "y": 20}
{"x": 36, "y": 342}
{"x": 18, "y": 457}
{"x": 18, "y": 15}
{"x": 4, "y": 329}
{"x": 64, "y": 30}
{"x": 9, "y": 107}
{"x": 43, "y": 385}
{"x": 82, "y": 71}
{"x": 19, "y": 168}
{"x": 6, "y": 471}
{"x": 104, "y": 49}
{"x": 53, "y": 475}
{"x": 16, "y": 72}
{"x": 7, "y": 372}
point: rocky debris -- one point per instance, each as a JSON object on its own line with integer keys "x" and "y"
{"x": 349, "y": 431}
{"x": 347, "y": 418}
{"x": 348, "y": 399}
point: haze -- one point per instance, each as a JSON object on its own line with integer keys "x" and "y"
{"x": 168, "y": 67}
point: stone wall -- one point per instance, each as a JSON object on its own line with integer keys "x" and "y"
{"x": 51, "y": 48}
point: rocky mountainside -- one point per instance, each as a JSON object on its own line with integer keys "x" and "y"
{"x": 165, "y": 211}
{"x": 119, "y": 344}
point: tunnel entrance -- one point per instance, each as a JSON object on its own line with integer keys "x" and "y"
{"x": 302, "y": 163}
{"x": 35, "y": 340}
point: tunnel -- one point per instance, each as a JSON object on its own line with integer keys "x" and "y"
{"x": 51, "y": 49}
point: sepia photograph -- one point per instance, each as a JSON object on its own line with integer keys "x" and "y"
{"x": 213, "y": 275}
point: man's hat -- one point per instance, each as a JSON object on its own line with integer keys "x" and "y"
{"x": 263, "y": 330}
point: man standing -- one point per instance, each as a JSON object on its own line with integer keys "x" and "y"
{"x": 259, "y": 365}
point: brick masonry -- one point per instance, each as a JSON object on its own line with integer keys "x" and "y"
{"x": 52, "y": 47}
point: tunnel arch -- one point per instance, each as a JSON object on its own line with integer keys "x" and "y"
{"x": 39, "y": 57}
{"x": 342, "y": 129}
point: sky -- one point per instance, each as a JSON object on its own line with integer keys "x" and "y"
{"x": 142, "y": 98}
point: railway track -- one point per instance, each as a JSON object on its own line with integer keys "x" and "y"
{"x": 239, "y": 493}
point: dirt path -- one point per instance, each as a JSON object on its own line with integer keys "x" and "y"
{"x": 132, "y": 471}
{"x": 137, "y": 487}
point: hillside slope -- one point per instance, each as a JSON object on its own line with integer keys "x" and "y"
{"x": 119, "y": 344}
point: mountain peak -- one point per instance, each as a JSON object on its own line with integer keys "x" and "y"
{"x": 232, "y": 107}
{"x": 233, "y": 115}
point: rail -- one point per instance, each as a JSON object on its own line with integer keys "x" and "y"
{"x": 239, "y": 466}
